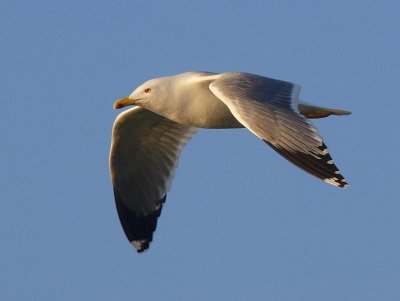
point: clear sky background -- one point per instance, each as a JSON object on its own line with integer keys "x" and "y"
{"x": 240, "y": 223}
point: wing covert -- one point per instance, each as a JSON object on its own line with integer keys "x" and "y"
{"x": 269, "y": 109}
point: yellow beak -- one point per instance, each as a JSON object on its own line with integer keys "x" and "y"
{"x": 123, "y": 102}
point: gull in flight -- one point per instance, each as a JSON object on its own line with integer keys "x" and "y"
{"x": 148, "y": 138}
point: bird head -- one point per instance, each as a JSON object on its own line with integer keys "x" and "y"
{"x": 142, "y": 94}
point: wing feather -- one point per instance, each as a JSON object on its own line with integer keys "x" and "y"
{"x": 269, "y": 109}
{"x": 144, "y": 154}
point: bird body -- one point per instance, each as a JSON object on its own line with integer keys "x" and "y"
{"x": 147, "y": 140}
{"x": 189, "y": 106}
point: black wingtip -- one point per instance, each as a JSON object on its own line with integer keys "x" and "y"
{"x": 319, "y": 164}
{"x": 138, "y": 229}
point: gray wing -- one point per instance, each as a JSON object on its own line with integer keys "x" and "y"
{"x": 269, "y": 109}
{"x": 144, "y": 154}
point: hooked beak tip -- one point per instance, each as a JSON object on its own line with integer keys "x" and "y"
{"x": 117, "y": 106}
{"x": 123, "y": 102}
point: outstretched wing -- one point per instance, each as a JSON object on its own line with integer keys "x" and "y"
{"x": 269, "y": 109}
{"x": 144, "y": 153}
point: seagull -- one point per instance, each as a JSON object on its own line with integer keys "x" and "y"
{"x": 148, "y": 138}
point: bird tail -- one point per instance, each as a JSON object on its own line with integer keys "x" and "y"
{"x": 311, "y": 111}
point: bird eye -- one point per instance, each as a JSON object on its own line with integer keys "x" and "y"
{"x": 147, "y": 90}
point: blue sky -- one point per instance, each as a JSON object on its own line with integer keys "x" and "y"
{"x": 240, "y": 223}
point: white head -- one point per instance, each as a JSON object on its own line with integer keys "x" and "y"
{"x": 145, "y": 93}
{"x": 166, "y": 96}
{"x": 155, "y": 92}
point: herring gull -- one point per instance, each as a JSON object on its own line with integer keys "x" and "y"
{"x": 148, "y": 138}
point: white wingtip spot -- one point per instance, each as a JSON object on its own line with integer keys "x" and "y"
{"x": 336, "y": 182}
{"x": 324, "y": 152}
{"x": 140, "y": 245}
